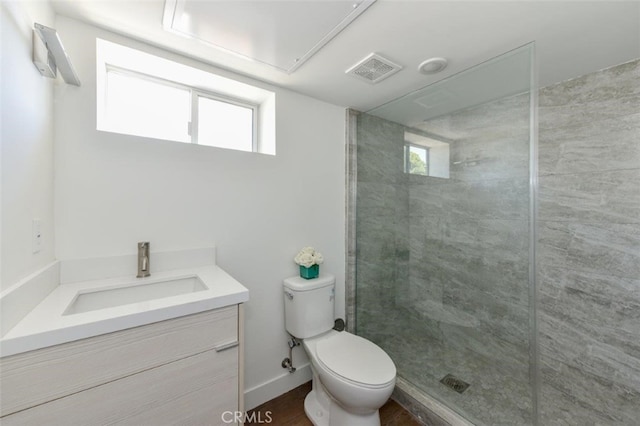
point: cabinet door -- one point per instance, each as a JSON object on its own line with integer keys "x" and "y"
{"x": 196, "y": 391}
{"x": 36, "y": 377}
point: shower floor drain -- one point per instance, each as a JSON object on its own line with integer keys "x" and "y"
{"x": 454, "y": 383}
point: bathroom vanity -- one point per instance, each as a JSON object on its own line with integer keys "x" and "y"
{"x": 167, "y": 359}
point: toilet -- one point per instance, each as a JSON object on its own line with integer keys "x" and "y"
{"x": 352, "y": 377}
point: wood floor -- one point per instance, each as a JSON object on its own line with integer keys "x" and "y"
{"x": 288, "y": 410}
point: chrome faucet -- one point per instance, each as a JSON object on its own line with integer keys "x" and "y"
{"x": 143, "y": 260}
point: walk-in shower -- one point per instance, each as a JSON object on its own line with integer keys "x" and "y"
{"x": 443, "y": 184}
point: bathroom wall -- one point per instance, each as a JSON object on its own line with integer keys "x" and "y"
{"x": 589, "y": 249}
{"x": 26, "y": 135}
{"x": 114, "y": 190}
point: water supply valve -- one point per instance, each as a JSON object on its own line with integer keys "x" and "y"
{"x": 288, "y": 362}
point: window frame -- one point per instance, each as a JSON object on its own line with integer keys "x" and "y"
{"x": 194, "y": 94}
{"x": 195, "y": 116}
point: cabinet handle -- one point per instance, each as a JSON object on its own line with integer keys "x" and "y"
{"x": 226, "y": 346}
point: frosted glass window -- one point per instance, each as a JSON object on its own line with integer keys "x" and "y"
{"x": 225, "y": 125}
{"x": 141, "y": 107}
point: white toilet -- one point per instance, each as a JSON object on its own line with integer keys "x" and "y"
{"x": 352, "y": 377}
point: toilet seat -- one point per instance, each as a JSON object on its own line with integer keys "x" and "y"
{"x": 356, "y": 360}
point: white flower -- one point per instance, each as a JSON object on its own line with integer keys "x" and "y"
{"x": 305, "y": 260}
{"x": 308, "y": 257}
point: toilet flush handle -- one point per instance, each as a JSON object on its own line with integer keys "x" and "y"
{"x": 289, "y": 295}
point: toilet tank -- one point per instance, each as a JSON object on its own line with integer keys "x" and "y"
{"x": 308, "y": 305}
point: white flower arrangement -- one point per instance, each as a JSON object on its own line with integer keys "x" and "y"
{"x": 308, "y": 257}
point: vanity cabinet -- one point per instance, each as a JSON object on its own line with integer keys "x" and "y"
{"x": 183, "y": 371}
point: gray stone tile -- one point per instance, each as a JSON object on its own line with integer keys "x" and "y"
{"x": 379, "y": 199}
{"x": 483, "y": 199}
{"x": 350, "y": 201}
{"x": 380, "y": 165}
{"x": 378, "y": 133}
{"x": 604, "y": 306}
{"x": 611, "y": 84}
{"x": 593, "y": 111}
{"x": 596, "y": 249}
{"x": 611, "y": 196}
{"x": 599, "y": 145}
{"x": 589, "y": 276}
{"x": 597, "y": 377}
{"x": 376, "y": 239}
{"x": 590, "y": 322}
{"x": 589, "y": 249}
{"x": 493, "y": 316}
{"x": 558, "y": 407}
{"x": 490, "y": 255}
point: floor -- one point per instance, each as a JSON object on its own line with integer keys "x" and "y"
{"x": 288, "y": 410}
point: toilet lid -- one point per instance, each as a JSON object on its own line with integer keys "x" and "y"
{"x": 356, "y": 359}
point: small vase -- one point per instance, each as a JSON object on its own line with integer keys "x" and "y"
{"x": 310, "y": 272}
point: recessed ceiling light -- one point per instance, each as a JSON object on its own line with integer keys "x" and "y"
{"x": 432, "y": 66}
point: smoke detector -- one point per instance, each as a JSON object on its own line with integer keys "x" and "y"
{"x": 373, "y": 69}
{"x": 433, "y": 65}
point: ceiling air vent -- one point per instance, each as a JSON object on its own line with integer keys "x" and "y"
{"x": 373, "y": 69}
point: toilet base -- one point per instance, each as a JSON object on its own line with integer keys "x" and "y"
{"x": 322, "y": 410}
{"x": 318, "y": 415}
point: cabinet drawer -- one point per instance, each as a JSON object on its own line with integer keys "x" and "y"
{"x": 40, "y": 376}
{"x": 192, "y": 391}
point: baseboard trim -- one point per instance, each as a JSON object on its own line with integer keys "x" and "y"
{"x": 275, "y": 387}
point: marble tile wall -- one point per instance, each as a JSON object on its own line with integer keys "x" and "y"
{"x": 589, "y": 249}
{"x": 351, "y": 137}
{"x": 442, "y": 264}
{"x": 381, "y": 217}
{"x": 469, "y": 260}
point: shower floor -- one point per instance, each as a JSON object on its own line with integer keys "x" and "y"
{"x": 425, "y": 351}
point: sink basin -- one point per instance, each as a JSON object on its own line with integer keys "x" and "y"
{"x": 133, "y": 293}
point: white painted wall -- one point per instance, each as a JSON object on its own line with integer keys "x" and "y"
{"x": 114, "y": 190}
{"x": 26, "y": 136}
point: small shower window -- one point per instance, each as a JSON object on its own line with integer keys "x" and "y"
{"x": 425, "y": 155}
{"x": 416, "y": 160}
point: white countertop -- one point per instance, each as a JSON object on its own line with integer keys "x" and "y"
{"x": 46, "y": 325}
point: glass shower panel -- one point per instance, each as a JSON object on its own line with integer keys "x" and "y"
{"x": 443, "y": 238}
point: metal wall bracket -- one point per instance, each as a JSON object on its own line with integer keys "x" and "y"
{"x": 56, "y": 57}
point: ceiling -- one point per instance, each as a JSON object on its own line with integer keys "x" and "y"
{"x": 572, "y": 38}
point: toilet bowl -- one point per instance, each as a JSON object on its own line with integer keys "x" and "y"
{"x": 357, "y": 376}
{"x": 352, "y": 376}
